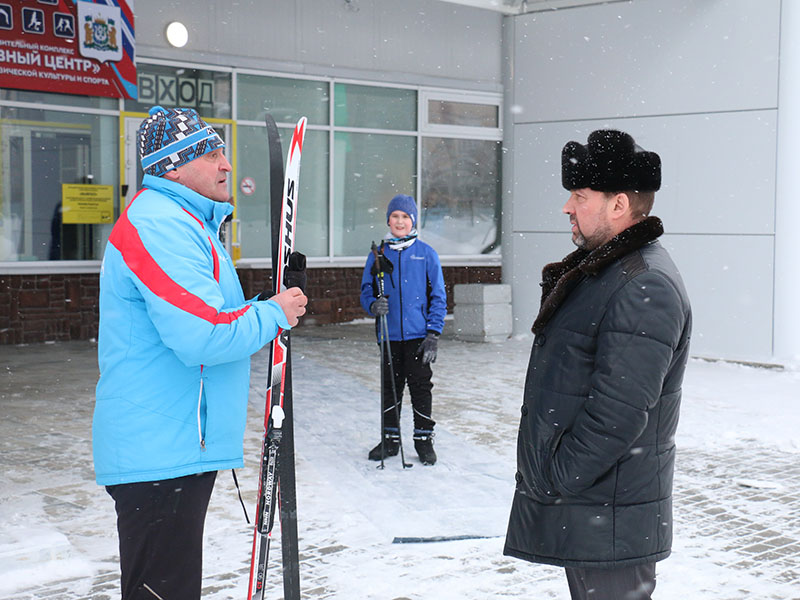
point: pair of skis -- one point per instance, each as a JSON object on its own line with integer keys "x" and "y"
{"x": 277, "y": 477}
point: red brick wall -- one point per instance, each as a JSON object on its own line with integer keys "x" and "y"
{"x": 334, "y": 292}
{"x": 39, "y": 308}
{"x": 63, "y": 307}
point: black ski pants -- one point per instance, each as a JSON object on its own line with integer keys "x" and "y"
{"x": 160, "y": 525}
{"x": 408, "y": 369}
{"x": 624, "y": 583}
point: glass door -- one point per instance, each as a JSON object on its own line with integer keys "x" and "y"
{"x": 38, "y": 158}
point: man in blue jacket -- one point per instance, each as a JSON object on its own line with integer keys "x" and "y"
{"x": 415, "y": 305}
{"x": 175, "y": 340}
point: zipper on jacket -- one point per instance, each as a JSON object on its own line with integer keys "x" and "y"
{"x": 199, "y": 406}
{"x": 400, "y": 289}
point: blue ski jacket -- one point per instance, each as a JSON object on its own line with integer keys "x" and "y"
{"x": 175, "y": 340}
{"x": 415, "y": 290}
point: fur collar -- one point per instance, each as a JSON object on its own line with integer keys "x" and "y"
{"x": 559, "y": 278}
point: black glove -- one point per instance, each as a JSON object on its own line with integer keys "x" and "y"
{"x": 382, "y": 265}
{"x": 380, "y": 307}
{"x": 295, "y": 273}
{"x": 429, "y": 348}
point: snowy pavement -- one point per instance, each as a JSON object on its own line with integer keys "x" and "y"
{"x": 737, "y": 484}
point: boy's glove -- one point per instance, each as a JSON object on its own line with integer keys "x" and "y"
{"x": 429, "y": 348}
{"x": 380, "y": 307}
{"x": 381, "y": 265}
{"x": 294, "y": 275}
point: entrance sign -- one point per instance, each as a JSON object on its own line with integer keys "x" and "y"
{"x": 170, "y": 90}
{"x": 86, "y": 48}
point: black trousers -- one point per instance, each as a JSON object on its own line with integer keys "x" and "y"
{"x": 408, "y": 369}
{"x": 160, "y": 525}
{"x": 627, "y": 583}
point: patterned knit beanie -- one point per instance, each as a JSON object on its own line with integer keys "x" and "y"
{"x": 171, "y": 137}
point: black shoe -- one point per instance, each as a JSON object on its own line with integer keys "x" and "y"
{"x": 391, "y": 446}
{"x": 423, "y": 443}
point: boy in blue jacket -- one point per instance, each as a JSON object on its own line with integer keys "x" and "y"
{"x": 415, "y": 304}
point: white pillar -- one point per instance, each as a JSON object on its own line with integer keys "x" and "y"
{"x": 786, "y": 321}
{"x": 507, "y": 158}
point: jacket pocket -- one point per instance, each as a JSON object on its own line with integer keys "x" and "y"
{"x": 545, "y": 471}
{"x": 535, "y": 465}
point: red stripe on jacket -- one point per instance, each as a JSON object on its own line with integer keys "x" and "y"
{"x": 125, "y": 238}
{"x": 213, "y": 249}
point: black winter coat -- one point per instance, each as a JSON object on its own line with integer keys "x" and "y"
{"x": 596, "y": 448}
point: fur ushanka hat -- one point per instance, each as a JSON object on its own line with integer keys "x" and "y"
{"x": 611, "y": 161}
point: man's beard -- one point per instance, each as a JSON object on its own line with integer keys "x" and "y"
{"x": 600, "y": 237}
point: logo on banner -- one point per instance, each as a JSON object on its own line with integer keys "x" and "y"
{"x": 99, "y": 34}
{"x": 63, "y": 25}
{"x": 33, "y": 20}
{"x": 6, "y": 17}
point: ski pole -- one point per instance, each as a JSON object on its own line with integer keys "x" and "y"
{"x": 384, "y": 339}
{"x": 385, "y": 336}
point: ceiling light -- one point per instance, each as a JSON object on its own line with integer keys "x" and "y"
{"x": 177, "y": 34}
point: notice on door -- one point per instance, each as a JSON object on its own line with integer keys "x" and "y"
{"x": 87, "y": 203}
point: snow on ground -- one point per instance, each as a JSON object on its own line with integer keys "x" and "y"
{"x": 737, "y": 479}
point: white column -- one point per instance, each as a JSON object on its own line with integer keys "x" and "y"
{"x": 507, "y": 158}
{"x": 786, "y": 321}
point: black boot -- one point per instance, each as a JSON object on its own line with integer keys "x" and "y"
{"x": 423, "y": 443}
{"x": 391, "y": 446}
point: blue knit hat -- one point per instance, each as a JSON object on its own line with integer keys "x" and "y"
{"x": 404, "y": 203}
{"x": 171, "y": 137}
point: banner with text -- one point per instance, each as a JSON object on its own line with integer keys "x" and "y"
{"x": 85, "y": 47}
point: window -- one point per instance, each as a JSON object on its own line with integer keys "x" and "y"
{"x": 460, "y": 197}
{"x": 369, "y": 169}
{"x": 365, "y": 142}
{"x": 449, "y": 112}
{"x": 253, "y": 211}
{"x": 286, "y": 100}
{"x": 442, "y": 147}
{"x": 373, "y": 107}
{"x": 42, "y": 150}
{"x": 50, "y": 99}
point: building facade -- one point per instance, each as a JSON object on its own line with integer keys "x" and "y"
{"x": 713, "y": 87}
{"x": 383, "y": 118}
{"x": 464, "y": 104}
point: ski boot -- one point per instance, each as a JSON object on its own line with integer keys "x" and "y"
{"x": 391, "y": 446}
{"x": 423, "y": 443}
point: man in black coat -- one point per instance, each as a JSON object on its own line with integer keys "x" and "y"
{"x": 596, "y": 447}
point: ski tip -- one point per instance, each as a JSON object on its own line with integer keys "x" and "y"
{"x": 276, "y": 416}
{"x": 297, "y": 137}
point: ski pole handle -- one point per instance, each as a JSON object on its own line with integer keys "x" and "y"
{"x": 377, "y": 269}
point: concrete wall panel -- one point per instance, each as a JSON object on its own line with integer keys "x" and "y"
{"x": 718, "y": 170}
{"x": 647, "y": 57}
{"x": 396, "y": 41}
